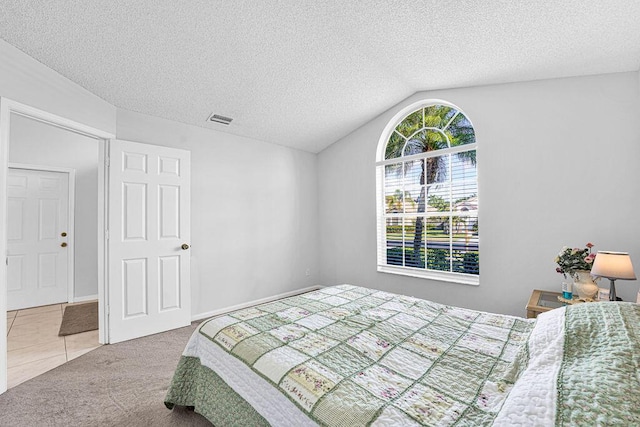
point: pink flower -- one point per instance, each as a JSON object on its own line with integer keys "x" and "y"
{"x": 588, "y": 260}
{"x": 558, "y": 270}
{"x": 589, "y": 245}
{"x": 592, "y": 256}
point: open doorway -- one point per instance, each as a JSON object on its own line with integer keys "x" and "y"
{"x": 38, "y": 143}
{"x": 49, "y": 168}
{"x": 143, "y": 254}
{"x": 52, "y": 246}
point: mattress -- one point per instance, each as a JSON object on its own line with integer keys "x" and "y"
{"x": 349, "y": 356}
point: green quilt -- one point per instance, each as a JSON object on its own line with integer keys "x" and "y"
{"x": 352, "y": 356}
{"x": 599, "y": 379}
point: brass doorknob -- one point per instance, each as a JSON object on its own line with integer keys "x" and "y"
{"x": 63, "y": 234}
{"x": 63, "y": 244}
{"x": 184, "y": 246}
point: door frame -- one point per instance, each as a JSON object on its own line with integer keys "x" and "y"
{"x": 71, "y": 226}
{"x": 7, "y": 108}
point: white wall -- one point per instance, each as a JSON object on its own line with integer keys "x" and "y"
{"x": 36, "y": 143}
{"x": 254, "y": 204}
{"x": 26, "y": 80}
{"x": 259, "y": 209}
{"x": 557, "y": 165}
{"x": 254, "y": 216}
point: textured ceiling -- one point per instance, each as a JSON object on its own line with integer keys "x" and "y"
{"x": 306, "y": 73}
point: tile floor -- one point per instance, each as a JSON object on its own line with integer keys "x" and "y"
{"x": 34, "y": 346}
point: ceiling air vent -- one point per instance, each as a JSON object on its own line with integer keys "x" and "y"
{"x": 219, "y": 119}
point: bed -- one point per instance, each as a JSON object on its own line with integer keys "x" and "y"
{"x": 350, "y": 356}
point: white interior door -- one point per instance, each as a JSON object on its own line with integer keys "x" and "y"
{"x": 149, "y": 238}
{"x": 37, "y": 251}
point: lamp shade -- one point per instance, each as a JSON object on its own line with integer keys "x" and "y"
{"x": 613, "y": 265}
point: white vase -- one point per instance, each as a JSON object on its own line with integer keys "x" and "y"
{"x": 584, "y": 285}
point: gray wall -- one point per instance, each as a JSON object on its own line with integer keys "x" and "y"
{"x": 25, "y": 80}
{"x": 37, "y": 143}
{"x": 254, "y": 216}
{"x": 557, "y": 165}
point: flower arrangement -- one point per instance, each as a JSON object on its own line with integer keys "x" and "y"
{"x": 570, "y": 260}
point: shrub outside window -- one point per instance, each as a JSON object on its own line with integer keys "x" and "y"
{"x": 427, "y": 186}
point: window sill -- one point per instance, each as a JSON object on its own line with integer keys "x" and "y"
{"x": 442, "y": 276}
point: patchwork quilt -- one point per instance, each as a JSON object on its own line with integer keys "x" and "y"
{"x": 350, "y": 356}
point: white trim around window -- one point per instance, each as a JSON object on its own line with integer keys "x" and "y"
{"x": 435, "y": 213}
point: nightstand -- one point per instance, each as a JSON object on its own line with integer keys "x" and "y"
{"x": 542, "y": 301}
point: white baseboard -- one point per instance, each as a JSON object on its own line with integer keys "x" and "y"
{"x": 252, "y": 303}
{"x": 85, "y": 298}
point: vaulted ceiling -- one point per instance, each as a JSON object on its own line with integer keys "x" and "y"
{"x": 306, "y": 73}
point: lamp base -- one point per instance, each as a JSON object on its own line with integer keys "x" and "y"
{"x": 612, "y": 290}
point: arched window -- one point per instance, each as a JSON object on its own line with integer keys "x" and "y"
{"x": 427, "y": 186}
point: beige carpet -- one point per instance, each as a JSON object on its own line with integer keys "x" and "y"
{"x": 79, "y": 318}
{"x": 115, "y": 385}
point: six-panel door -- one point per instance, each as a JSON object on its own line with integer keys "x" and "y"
{"x": 37, "y": 215}
{"x": 149, "y": 200}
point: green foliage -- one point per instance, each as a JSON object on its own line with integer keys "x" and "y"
{"x": 410, "y": 124}
{"x": 397, "y": 201}
{"x": 466, "y": 262}
{"x": 431, "y": 128}
{"x": 461, "y": 131}
{"x": 468, "y": 156}
{"x": 425, "y": 141}
{"x": 437, "y": 259}
{"x": 394, "y": 146}
{"x": 394, "y": 202}
{"x": 395, "y": 229}
{"x": 570, "y": 260}
{"x": 439, "y": 203}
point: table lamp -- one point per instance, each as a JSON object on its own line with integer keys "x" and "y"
{"x": 613, "y": 265}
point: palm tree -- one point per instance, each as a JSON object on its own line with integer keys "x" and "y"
{"x": 428, "y": 129}
{"x": 396, "y": 202}
{"x": 457, "y": 221}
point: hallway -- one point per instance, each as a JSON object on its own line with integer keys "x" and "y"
{"x": 34, "y": 346}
